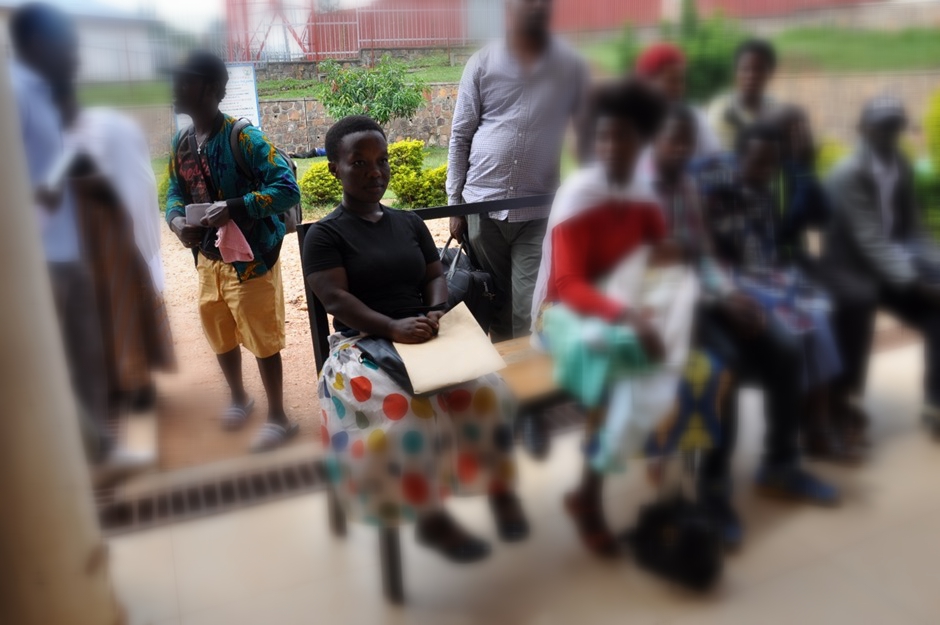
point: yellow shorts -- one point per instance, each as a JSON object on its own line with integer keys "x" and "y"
{"x": 234, "y": 313}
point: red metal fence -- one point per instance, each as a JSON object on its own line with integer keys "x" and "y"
{"x": 265, "y": 29}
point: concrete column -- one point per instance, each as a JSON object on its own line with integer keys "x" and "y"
{"x": 54, "y": 567}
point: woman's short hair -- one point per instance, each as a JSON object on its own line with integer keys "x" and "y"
{"x": 345, "y": 127}
{"x": 764, "y": 131}
{"x": 630, "y": 99}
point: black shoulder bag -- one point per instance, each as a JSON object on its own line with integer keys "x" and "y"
{"x": 466, "y": 283}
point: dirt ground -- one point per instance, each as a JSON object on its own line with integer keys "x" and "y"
{"x": 192, "y": 398}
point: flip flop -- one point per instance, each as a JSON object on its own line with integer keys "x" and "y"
{"x": 273, "y": 435}
{"x": 236, "y": 416}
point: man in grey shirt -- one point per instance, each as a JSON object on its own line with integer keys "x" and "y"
{"x": 516, "y": 99}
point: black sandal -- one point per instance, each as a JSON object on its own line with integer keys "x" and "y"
{"x": 511, "y": 522}
{"x": 440, "y": 532}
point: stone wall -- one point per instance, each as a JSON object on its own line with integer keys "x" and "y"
{"x": 835, "y": 101}
{"x": 296, "y": 125}
{"x": 299, "y": 70}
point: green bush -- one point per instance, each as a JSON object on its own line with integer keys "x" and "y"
{"x": 932, "y": 130}
{"x": 628, "y": 49}
{"x": 163, "y": 189}
{"x": 927, "y": 192}
{"x": 319, "y": 186}
{"x": 406, "y": 154}
{"x": 709, "y": 46}
{"x": 828, "y": 155}
{"x": 415, "y": 186}
{"x": 384, "y": 92}
{"x": 421, "y": 188}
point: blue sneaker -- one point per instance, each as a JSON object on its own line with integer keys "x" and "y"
{"x": 795, "y": 484}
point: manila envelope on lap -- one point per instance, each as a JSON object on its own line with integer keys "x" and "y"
{"x": 461, "y": 352}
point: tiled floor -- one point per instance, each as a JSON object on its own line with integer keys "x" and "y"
{"x": 874, "y": 560}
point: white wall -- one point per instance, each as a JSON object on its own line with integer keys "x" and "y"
{"x": 115, "y": 51}
{"x": 110, "y": 50}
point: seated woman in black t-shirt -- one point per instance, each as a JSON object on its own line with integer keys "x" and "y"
{"x": 397, "y": 456}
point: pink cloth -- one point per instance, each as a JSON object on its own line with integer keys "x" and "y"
{"x": 232, "y": 244}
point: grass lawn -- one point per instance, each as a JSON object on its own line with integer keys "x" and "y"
{"x": 822, "y": 49}
{"x": 125, "y": 94}
{"x": 833, "y": 49}
{"x": 286, "y": 89}
{"x": 603, "y": 55}
{"x": 445, "y": 74}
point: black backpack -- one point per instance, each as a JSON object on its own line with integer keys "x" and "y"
{"x": 466, "y": 283}
{"x": 678, "y": 539}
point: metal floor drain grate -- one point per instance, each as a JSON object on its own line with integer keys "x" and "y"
{"x": 204, "y": 497}
{"x": 196, "y": 500}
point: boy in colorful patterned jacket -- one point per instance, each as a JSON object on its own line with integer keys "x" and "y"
{"x": 242, "y": 302}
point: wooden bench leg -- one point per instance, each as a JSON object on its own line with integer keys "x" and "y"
{"x": 534, "y": 431}
{"x": 390, "y": 554}
{"x": 337, "y": 514}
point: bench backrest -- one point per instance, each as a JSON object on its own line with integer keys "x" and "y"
{"x": 319, "y": 323}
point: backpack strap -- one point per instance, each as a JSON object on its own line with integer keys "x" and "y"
{"x": 237, "y": 153}
{"x": 242, "y": 164}
{"x": 183, "y": 134}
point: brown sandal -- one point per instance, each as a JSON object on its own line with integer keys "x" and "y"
{"x": 592, "y": 527}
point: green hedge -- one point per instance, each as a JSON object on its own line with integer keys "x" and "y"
{"x": 421, "y": 188}
{"x": 828, "y": 155}
{"x": 407, "y": 154}
{"x": 319, "y": 186}
{"x": 415, "y": 186}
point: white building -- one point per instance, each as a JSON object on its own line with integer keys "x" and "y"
{"x": 115, "y": 46}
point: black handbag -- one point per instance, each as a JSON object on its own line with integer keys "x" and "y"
{"x": 466, "y": 283}
{"x": 677, "y": 537}
{"x": 679, "y": 540}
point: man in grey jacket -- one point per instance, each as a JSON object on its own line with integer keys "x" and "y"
{"x": 878, "y": 253}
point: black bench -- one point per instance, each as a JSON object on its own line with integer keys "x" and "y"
{"x": 528, "y": 374}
